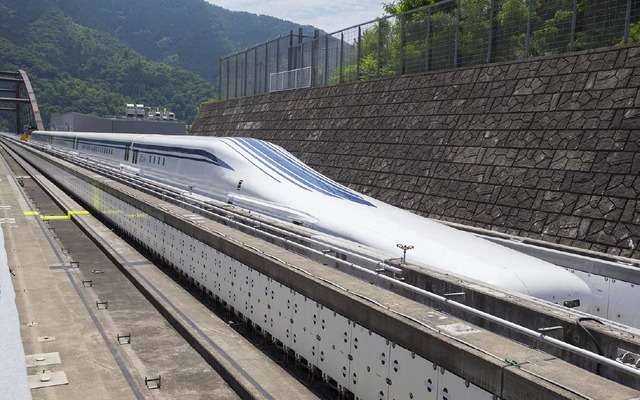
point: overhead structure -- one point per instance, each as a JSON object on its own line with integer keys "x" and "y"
{"x": 17, "y": 96}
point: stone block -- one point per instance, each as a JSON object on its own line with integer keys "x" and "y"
{"x": 544, "y": 179}
{"x": 599, "y": 207}
{"x": 624, "y": 186}
{"x": 523, "y": 139}
{"x": 573, "y": 160}
{"x": 563, "y": 226}
{"x": 613, "y": 162}
{"x": 558, "y": 202}
{"x": 585, "y": 182}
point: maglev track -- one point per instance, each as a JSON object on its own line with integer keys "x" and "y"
{"x": 283, "y": 235}
{"x": 299, "y": 240}
{"x": 77, "y": 246}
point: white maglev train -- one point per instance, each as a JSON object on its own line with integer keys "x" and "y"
{"x": 264, "y": 178}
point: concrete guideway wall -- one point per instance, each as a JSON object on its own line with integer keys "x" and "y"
{"x": 546, "y": 148}
{"x": 349, "y": 331}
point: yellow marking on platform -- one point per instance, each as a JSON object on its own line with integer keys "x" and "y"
{"x": 57, "y": 217}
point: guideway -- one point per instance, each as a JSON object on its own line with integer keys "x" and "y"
{"x": 466, "y": 359}
{"x": 114, "y": 338}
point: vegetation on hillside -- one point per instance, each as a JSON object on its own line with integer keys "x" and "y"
{"x": 95, "y": 56}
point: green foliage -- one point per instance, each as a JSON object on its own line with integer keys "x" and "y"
{"x": 402, "y": 48}
{"x": 634, "y": 32}
{"x": 401, "y": 6}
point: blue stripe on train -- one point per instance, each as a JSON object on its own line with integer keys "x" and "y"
{"x": 294, "y": 170}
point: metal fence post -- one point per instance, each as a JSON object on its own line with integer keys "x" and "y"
{"x": 266, "y": 68}
{"x": 627, "y": 23}
{"x": 402, "y": 27}
{"x": 341, "y": 50}
{"x": 528, "y": 37}
{"x": 228, "y": 77}
{"x": 278, "y": 54}
{"x": 220, "y": 79}
{"x": 246, "y": 66}
{"x": 314, "y": 56}
{"x": 326, "y": 59}
{"x": 379, "y": 45}
{"x": 490, "y": 38}
{"x": 574, "y": 17}
{"x": 290, "y": 52}
{"x": 457, "y": 39}
{"x": 428, "y": 40}
{"x": 300, "y": 51}
{"x": 358, "y": 54}
{"x": 255, "y": 70}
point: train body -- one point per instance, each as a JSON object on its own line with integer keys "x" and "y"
{"x": 264, "y": 178}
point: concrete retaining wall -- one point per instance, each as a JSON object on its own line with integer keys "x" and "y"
{"x": 547, "y": 148}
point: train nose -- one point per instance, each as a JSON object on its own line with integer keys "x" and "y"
{"x": 563, "y": 288}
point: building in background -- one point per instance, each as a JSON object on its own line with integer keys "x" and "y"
{"x": 138, "y": 119}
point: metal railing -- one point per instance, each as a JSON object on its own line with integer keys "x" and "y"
{"x": 444, "y": 35}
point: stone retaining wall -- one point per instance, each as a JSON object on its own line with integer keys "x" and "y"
{"x": 547, "y": 148}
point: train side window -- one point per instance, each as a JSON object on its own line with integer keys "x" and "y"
{"x": 126, "y": 152}
{"x": 135, "y": 157}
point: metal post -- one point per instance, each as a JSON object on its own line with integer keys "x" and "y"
{"x": 455, "y": 45}
{"x": 255, "y": 70}
{"x": 266, "y": 68}
{"x": 490, "y": 41}
{"x": 244, "y": 79}
{"x": 290, "y": 52}
{"x": 235, "y": 76}
{"x": 326, "y": 60}
{"x": 300, "y": 50}
{"x": 402, "y": 22}
{"x": 428, "y": 44}
{"x": 314, "y": 56}
{"x": 220, "y": 79}
{"x": 278, "y": 55}
{"x": 379, "y": 45}
{"x": 574, "y": 17}
{"x": 358, "y": 54}
{"x": 627, "y": 22}
{"x": 227, "y": 93}
{"x": 528, "y": 37}
{"x": 341, "y": 49}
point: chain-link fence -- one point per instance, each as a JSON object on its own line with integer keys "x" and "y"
{"x": 446, "y": 34}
